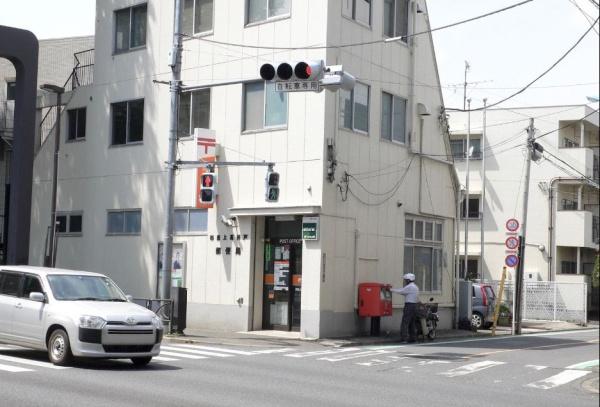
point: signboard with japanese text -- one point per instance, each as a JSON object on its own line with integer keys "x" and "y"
{"x": 298, "y": 86}
{"x": 310, "y": 228}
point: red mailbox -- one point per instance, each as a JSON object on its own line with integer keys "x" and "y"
{"x": 374, "y": 300}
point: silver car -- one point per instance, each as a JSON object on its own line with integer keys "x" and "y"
{"x": 74, "y": 314}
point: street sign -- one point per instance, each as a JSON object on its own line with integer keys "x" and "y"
{"x": 298, "y": 86}
{"x": 512, "y": 225}
{"x": 310, "y": 228}
{"x": 512, "y": 242}
{"x": 511, "y": 260}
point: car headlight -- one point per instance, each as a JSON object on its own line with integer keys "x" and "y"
{"x": 157, "y": 322}
{"x": 92, "y": 322}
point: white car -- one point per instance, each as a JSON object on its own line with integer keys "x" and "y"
{"x": 74, "y": 313}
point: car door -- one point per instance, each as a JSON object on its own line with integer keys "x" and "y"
{"x": 10, "y": 283}
{"x": 29, "y": 316}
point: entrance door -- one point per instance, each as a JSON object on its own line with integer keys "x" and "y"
{"x": 282, "y": 287}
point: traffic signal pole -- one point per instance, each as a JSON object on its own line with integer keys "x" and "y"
{"x": 174, "y": 88}
{"x": 520, "y": 266}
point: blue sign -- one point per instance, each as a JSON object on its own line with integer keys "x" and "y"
{"x": 511, "y": 260}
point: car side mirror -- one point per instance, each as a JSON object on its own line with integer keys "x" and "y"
{"x": 38, "y": 297}
{"x": 129, "y": 298}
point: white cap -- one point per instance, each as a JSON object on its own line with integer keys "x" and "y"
{"x": 409, "y": 277}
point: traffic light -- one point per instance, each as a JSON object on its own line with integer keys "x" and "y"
{"x": 285, "y": 71}
{"x": 272, "y": 186}
{"x": 208, "y": 182}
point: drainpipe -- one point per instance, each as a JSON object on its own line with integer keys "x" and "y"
{"x": 413, "y": 70}
{"x": 356, "y": 235}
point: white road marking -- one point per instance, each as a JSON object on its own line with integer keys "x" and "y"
{"x": 182, "y": 355}
{"x": 471, "y": 368}
{"x": 584, "y": 365}
{"x": 563, "y": 377}
{"x": 211, "y": 348}
{"x": 196, "y": 352}
{"x": 355, "y": 355}
{"x": 163, "y": 359}
{"x": 14, "y": 369}
{"x": 321, "y": 352}
{"x": 269, "y": 351}
{"x": 47, "y": 365}
{"x": 432, "y": 362}
{"x": 536, "y": 367}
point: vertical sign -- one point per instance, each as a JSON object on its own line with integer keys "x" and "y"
{"x": 310, "y": 228}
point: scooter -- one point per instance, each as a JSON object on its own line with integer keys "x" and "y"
{"x": 428, "y": 319}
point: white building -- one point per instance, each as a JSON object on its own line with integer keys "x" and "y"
{"x": 563, "y": 218}
{"x": 384, "y": 207}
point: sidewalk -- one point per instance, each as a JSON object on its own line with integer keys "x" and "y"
{"x": 290, "y": 339}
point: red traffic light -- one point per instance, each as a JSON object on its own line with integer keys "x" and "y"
{"x": 208, "y": 180}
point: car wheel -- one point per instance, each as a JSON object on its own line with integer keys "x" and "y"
{"x": 477, "y": 320}
{"x": 141, "y": 361}
{"x": 59, "y": 349}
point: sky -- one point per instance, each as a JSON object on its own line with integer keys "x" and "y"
{"x": 505, "y": 51}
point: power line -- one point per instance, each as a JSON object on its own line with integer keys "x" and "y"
{"x": 591, "y": 181}
{"x": 565, "y": 126}
{"x": 382, "y": 41}
{"x": 537, "y": 78}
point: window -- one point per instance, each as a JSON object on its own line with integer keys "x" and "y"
{"x": 393, "y": 118}
{"x": 426, "y": 264}
{"x": 473, "y": 208}
{"x": 69, "y": 223}
{"x": 354, "y": 108}
{"x": 439, "y": 236}
{"x": 260, "y": 10}
{"x": 9, "y": 283}
{"x": 11, "y": 90}
{"x": 125, "y": 222}
{"x": 130, "y": 28}
{"x": 472, "y": 269}
{"x": 263, "y": 106}
{"x": 76, "y": 119}
{"x": 459, "y": 148}
{"x": 408, "y": 228}
{"x": 194, "y": 111}
{"x": 127, "y": 122}
{"x": 191, "y": 220}
{"x": 31, "y": 285}
{"x": 421, "y": 229}
{"x": 395, "y": 18}
{"x": 197, "y": 16}
{"x": 358, "y": 10}
{"x": 568, "y": 267}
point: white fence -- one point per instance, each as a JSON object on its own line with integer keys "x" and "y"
{"x": 549, "y": 300}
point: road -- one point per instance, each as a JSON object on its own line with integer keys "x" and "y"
{"x": 552, "y": 369}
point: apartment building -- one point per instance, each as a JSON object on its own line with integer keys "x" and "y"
{"x": 351, "y": 159}
{"x": 563, "y": 216}
{"x": 57, "y": 59}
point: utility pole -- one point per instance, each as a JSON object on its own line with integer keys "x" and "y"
{"x": 482, "y": 204}
{"x": 174, "y": 87}
{"x": 520, "y": 267}
{"x": 466, "y": 201}
{"x": 467, "y": 67}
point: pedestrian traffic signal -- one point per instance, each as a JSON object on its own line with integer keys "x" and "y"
{"x": 272, "y": 186}
{"x": 208, "y": 181}
{"x": 285, "y": 71}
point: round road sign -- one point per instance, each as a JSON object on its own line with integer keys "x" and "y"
{"x": 511, "y": 260}
{"x": 512, "y": 243}
{"x": 512, "y": 225}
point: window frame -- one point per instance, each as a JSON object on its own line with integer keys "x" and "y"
{"x": 437, "y": 253}
{"x": 11, "y": 90}
{"x": 353, "y": 103}
{"x": 68, "y": 231}
{"x": 127, "y": 123}
{"x": 3, "y": 274}
{"x": 212, "y": 22}
{"x": 269, "y": 19}
{"x": 123, "y": 233}
{"x": 435, "y": 224}
{"x": 352, "y": 15}
{"x": 477, "y": 155}
{"x": 189, "y": 232}
{"x": 264, "y": 111}
{"x": 403, "y": 39}
{"x": 23, "y": 281}
{"x": 191, "y": 113}
{"x": 129, "y": 47}
{"x": 462, "y": 207}
{"x": 77, "y": 111}
{"x": 391, "y": 139}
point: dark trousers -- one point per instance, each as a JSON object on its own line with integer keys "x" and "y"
{"x": 409, "y": 318}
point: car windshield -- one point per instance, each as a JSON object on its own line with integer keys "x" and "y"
{"x": 84, "y": 288}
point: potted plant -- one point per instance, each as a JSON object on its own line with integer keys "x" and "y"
{"x": 505, "y": 316}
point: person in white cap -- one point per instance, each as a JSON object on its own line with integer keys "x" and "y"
{"x": 410, "y": 291}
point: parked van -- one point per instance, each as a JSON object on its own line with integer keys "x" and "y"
{"x": 483, "y": 303}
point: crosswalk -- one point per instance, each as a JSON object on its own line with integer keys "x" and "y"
{"x": 452, "y": 367}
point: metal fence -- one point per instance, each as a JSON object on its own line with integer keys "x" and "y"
{"x": 549, "y": 300}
